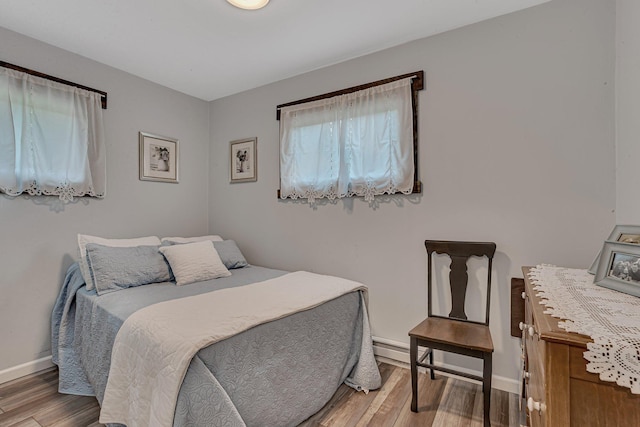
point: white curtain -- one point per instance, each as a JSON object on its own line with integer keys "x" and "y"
{"x": 51, "y": 138}
{"x": 358, "y": 144}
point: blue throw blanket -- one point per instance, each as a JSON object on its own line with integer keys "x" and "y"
{"x": 73, "y": 380}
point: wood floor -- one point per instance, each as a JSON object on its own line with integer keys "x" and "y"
{"x": 33, "y": 401}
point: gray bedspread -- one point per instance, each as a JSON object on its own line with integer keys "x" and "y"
{"x": 275, "y": 374}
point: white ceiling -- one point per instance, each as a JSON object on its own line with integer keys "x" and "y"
{"x": 210, "y": 49}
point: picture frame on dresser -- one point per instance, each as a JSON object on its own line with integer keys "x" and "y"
{"x": 619, "y": 267}
{"x": 621, "y": 233}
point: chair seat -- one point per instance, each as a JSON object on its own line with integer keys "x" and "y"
{"x": 451, "y": 331}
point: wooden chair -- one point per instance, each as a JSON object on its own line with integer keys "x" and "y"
{"x": 454, "y": 333}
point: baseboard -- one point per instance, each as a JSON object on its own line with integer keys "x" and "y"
{"x": 19, "y": 371}
{"x": 393, "y": 350}
{"x": 399, "y": 352}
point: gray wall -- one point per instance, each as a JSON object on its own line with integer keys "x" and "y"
{"x": 628, "y": 111}
{"x": 519, "y": 109}
{"x": 516, "y": 146}
{"x": 38, "y": 240}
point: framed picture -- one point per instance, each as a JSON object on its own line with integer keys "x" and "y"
{"x": 619, "y": 267}
{"x": 244, "y": 160}
{"x": 620, "y": 233}
{"x": 158, "y": 158}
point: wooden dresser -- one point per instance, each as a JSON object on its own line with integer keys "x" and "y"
{"x": 559, "y": 391}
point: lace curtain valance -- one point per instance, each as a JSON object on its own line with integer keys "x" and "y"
{"x": 610, "y": 318}
{"x": 51, "y": 138}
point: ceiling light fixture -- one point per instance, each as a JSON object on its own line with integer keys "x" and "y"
{"x": 249, "y": 4}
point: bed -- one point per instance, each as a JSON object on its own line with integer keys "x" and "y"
{"x": 274, "y": 372}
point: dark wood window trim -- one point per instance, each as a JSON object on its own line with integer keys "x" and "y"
{"x": 417, "y": 83}
{"x": 56, "y": 79}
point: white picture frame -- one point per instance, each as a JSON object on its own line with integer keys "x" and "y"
{"x": 621, "y": 233}
{"x": 243, "y": 166}
{"x": 619, "y": 267}
{"x": 158, "y": 158}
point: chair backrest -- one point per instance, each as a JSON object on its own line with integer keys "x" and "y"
{"x": 459, "y": 252}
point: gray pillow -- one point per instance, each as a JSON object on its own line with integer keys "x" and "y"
{"x": 116, "y": 268}
{"x": 227, "y": 250}
{"x": 230, "y": 254}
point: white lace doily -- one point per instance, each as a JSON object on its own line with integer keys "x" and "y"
{"x": 610, "y": 318}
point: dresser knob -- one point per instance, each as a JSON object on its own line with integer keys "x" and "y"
{"x": 524, "y": 295}
{"x": 529, "y": 328}
{"x": 534, "y": 405}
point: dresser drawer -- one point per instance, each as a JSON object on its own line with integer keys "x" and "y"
{"x": 578, "y": 367}
{"x": 535, "y": 380}
{"x": 597, "y": 403}
{"x": 535, "y": 394}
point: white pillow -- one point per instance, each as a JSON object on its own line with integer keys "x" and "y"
{"x": 212, "y": 238}
{"x": 84, "y": 239}
{"x": 194, "y": 262}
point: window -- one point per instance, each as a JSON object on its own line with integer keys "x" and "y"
{"x": 51, "y": 138}
{"x": 358, "y": 143}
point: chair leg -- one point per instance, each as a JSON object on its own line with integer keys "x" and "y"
{"x": 432, "y": 374}
{"x": 486, "y": 388}
{"x": 413, "y": 355}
